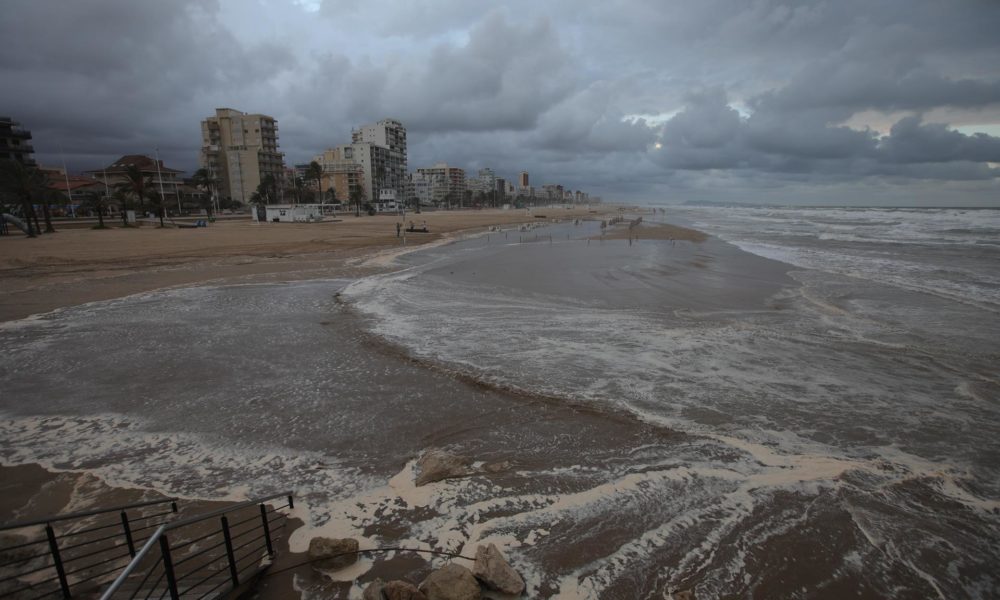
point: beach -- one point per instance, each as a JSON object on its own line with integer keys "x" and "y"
{"x": 639, "y": 418}
{"x": 75, "y": 266}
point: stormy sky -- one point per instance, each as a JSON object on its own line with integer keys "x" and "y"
{"x": 835, "y": 102}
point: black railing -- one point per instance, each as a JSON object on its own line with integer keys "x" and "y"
{"x": 68, "y": 554}
{"x": 207, "y": 555}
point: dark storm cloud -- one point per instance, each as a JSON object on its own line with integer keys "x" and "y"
{"x": 768, "y": 95}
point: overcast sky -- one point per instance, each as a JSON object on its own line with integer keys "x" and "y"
{"x": 842, "y": 102}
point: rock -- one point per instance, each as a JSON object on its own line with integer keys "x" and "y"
{"x": 495, "y": 573}
{"x": 402, "y": 590}
{"x": 374, "y": 590}
{"x": 451, "y": 582}
{"x": 683, "y": 595}
{"x": 394, "y": 590}
{"x": 332, "y": 553}
{"x": 436, "y": 465}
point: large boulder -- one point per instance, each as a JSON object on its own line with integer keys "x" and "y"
{"x": 436, "y": 465}
{"x": 394, "y": 590}
{"x": 402, "y": 590}
{"x": 374, "y": 590}
{"x": 495, "y": 573}
{"x": 451, "y": 582}
{"x": 332, "y": 553}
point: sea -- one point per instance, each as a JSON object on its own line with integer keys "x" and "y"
{"x": 804, "y": 405}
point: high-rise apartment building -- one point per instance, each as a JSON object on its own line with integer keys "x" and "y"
{"x": 485, "y": 181}
{"x": 445, "y": 184}
{"x": 359, "y": 164}
{"x": 522, "y": 180}
{"x": 387, "y": 171}
{"x": 240, "y": 150}
{"x": 15, "y": 142}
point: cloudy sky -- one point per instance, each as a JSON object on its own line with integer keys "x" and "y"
{"x": 839, "y": 101}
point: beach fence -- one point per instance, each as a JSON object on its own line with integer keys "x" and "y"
{"x": 142, "y": 550}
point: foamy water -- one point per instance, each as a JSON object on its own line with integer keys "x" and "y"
{"x": 687, "y": 415}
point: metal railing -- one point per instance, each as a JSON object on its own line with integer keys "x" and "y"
{"x": 75, "y": 552}
{"x": 201, "y": 557}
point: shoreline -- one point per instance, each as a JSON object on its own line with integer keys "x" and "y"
{"x": 70, "y": 267}
{"x": 533, "y": 419}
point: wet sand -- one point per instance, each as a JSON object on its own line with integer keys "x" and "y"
{"x": 74, "y": 266}
{"x": 653, "y": 231}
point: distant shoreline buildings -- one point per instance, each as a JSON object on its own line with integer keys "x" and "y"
{"x": 242, "y": 164}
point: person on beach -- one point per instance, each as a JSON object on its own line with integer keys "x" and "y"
{"x": 399, "y": 227}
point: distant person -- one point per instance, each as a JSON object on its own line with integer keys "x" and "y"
{"x": 399, "y": 227}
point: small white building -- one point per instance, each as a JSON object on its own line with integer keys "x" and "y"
{"x": 387, "y": 202}
{"x": 294, "y": 213}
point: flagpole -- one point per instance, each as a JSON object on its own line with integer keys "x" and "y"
{"x": 159, "y": 176}
{"x": 69, "y": 192}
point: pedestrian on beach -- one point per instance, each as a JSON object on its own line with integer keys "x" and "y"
{"x": 399, "y": 227}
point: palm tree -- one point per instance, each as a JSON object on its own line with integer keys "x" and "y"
{"x": 357, "y": 197}
{"x": 298, "y": 184}
{"x": 24, "y": 183}
{"x": 122, "y": 198}
{"x": 315, "y": 171}
{"x": 136, "y": 184}
{"x": 96, "y": 200}
{"x": 265, "y": 190}
{"x": 204, "y": 180}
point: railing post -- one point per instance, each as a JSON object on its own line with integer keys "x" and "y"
{"x": 128, "y": 535}
{"x": 267, "y": 529}
{"x": 168, "y": 568}
{"x": 57, "y": 560}
{"x": 229, "y": 553}
{"x": 291, "y": 503}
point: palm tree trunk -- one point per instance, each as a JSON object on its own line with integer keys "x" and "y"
{"x": 26, "y": 208}
{"x": 48, "y": 218}
{"x": 34, "y": 215}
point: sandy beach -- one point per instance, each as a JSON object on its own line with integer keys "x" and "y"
{"x": 75, "y": 266}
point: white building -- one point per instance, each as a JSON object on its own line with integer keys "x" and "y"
{"x": 390, "y": 135}
{"x": 292, "y": 213}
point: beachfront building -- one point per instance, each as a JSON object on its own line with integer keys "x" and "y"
{"x": 291, "y": 213}
{"x": 485, "y": 181}
{"x": 439, "y": 185}
{"x": 522, "y": 180}
{"x": 15, "y": 142}
{"x": 241, "y": 150}
{"x": 162, "y": 179}
{"x": 353, "y": 167}
{"x": 386, "y": 156}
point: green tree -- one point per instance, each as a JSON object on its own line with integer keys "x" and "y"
{"x": 204, "y": 180}
{"x": 266, "y": 190}
{"x": 24, "y": 184}
{"x": 97, "y": 202}
{"x": 331, "y": 195}
{"x": 122, "y": 198}
{"x": 298, "y": 185}
{"x": 315, "y": 172}
{"x": 357, "y": 198}
{"x": 140, "y": 187}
